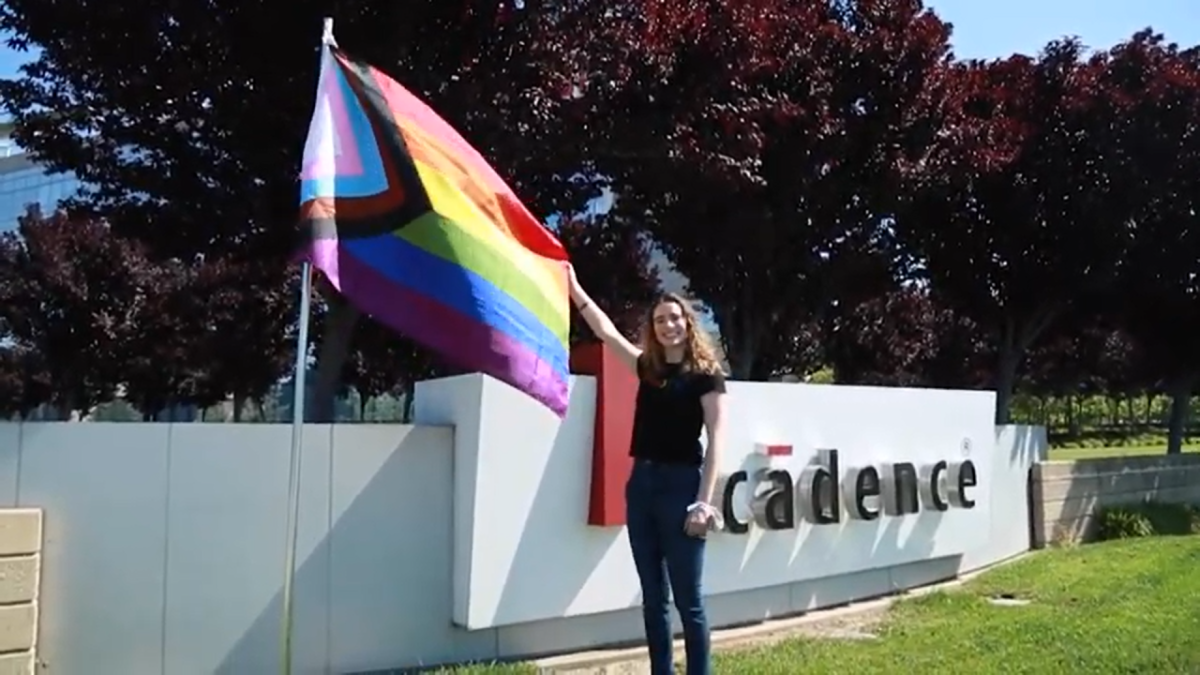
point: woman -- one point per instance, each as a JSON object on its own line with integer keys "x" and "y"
{"x": 668, "y": 498}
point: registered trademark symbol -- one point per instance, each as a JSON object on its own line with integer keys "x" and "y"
{"x": 966, "y": 447}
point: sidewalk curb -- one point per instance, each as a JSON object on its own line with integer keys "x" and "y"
{"x": 628, "y": 659}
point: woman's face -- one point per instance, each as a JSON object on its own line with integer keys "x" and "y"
{"x": 670, "y": 325}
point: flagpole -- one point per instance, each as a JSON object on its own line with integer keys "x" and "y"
{"x": 287, "y": 610}
{"x": 293, "y": 510}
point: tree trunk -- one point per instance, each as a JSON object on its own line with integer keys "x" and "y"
{"x": 340, "y": 320}
{"x": 410, "y": 392}
{"x": 239, "y": 405}
{"x": 743, "y": 347}
{"x": 1017, "y": 339}
{"x": 1076, "y": 403}
{"x": 1181, "y": 400}
{"x": 741, "y": 367}
{"x": 1006, "y": 379}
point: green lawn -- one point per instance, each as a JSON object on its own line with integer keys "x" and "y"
{"x": 1092, "y": 443}
{"x": 1129, "y": 606}
{"x": 1117, "y": 451}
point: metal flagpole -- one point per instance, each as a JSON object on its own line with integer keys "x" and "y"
{"x": 293, "y": 510}
{"x": 298, "y": 398}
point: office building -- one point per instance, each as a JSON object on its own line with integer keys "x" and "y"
{"x": 24, "y": 182}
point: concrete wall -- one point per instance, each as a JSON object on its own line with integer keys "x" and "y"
{"x": 20, "y": 569}
{"x": 1065, "y": 496}
{"x": 163, "y": 550}
{"x": 523, "y": 554}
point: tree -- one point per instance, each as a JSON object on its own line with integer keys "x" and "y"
{"x": 906, "y": 338}
{"x": 163, "y": 366}
{"x": 758, "y": 142}
{"x": 797, "y": 352}
{"x": 885, "y": 341}
{"x": 613, "y": 261}
{"x": 70, "y": 292}
{"x": 250, "y": 317}
{"x": 1013, "y": 214}
{"x": 382, "y": 362}
{"x": 182, "y": 114}
{"x": 24, "y": 384}
{"x": 1156, "y": 115}
{"x": 1068, "y": 362}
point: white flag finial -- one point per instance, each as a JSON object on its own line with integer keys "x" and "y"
{"x": 327, "y": 34}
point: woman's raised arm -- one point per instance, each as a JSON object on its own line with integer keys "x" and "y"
{"x": 601, "y": 325}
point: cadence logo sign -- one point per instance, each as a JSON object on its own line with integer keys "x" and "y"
{"x": 823, "y": 492}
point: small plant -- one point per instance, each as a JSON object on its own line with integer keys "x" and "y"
{"x": 1147, "y": 519}
{"x": 1123, "y": 523}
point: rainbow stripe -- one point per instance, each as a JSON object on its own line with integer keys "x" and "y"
{"x": 413, "y": 227}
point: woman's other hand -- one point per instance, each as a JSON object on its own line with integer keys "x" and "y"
{"x": 698, "y": 522}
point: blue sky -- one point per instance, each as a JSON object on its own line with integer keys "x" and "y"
{"x": 996, "y": 28}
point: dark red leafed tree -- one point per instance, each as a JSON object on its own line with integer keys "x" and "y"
{"x": 24, "y": 382}
{"x": 70, "y": 292}
{"x": 1014, "y": 213}
{"x": 250, "y": 319}
{"x": 886, "y": 340}
{"x": 1069, "y": 358}
{"x": 210, "y": 331}
{"x": 1156, "y": 115}
{"x": 757, "y": 142}
{"x": 965, "y": 356}
{"x": 382, "y": 362}
{"x": 163, "y": 365}
{"x": 613, "y": 261}
{"x": 906, "y": 338}
{"x": 12, "y": 384}
{"x": 183, "y": 114}
{"x": 797, "y": 352}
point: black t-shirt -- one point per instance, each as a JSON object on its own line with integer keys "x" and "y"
{"x": 668, "y": 418}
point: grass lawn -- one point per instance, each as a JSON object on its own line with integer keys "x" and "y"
{"x": 1117, "y": 451}
{"x": 1093, "y": 443}
{"x": 1128, "y": 606}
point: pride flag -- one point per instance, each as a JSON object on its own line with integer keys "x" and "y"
{"x": 414, "y": 228}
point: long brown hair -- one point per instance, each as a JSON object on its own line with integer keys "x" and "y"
{"x": 699, "y": 353}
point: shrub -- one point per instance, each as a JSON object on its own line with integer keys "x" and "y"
{"x": 1147, "y": 519}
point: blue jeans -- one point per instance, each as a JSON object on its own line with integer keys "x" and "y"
{"x": 656, "y": 500}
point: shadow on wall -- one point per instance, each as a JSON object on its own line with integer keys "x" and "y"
{"x": 820, "y": 549}
{"x": 546, "y": 514}
{"x": 1028, "y": 445}
{"x": 186, "y": 525}
{"x": 1065, "y": 496}
{"x": 381, "y": 578}
{"x": 164, "y": 546}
